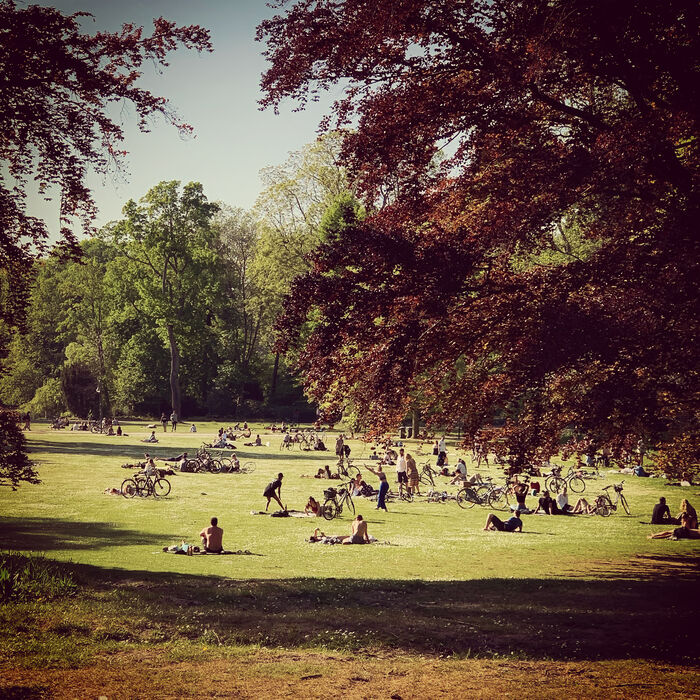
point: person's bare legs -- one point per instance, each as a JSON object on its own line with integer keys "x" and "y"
{"x": 269, "y": 498}
{"x": 489, "y": 520}
{"x": 667, "y": 535}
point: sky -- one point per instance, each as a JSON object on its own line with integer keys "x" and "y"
{"x": 216, "y": 93}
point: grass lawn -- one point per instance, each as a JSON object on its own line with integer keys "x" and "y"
{"x": 438, "y": 605}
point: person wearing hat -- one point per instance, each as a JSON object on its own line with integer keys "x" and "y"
{"x": 513, "y": 524}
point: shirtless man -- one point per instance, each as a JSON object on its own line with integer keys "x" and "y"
{"x": 359, "y": 532}
{"x": 212, "y": 537}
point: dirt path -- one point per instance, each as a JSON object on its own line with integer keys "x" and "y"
{"x": 286, "y": 674}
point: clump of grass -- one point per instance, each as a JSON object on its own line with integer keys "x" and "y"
{"x": 32, "y": 577}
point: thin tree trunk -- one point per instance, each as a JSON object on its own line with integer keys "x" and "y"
{"x": 174, "y": 373}
{"x": 275, "y": 369}
{"x": 415, "y": 418}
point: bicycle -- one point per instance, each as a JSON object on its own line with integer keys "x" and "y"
{"x": 336, "y": 499}
{"x": 245, "y": 468}
{"x": 604, "y": 505}
{"x": 573, "y": 481}
{"x": 346, "y": 468}
{"x": 144, "y": 485}
{"x": 427, "y": 474}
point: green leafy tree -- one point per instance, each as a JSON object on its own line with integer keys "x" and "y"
{"x": 168, "y": 239}
{"x": 15, "y": 466}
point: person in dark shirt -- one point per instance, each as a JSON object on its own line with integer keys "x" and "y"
{"x": 272, "y": 490}
{"x": 513, "y": 524}
{"x": 546, "y": 504}
{"x": 661, "y": 513}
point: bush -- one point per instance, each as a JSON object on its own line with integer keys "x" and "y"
{"x": 25, "y": 577}
{"x": 15, "y": 465}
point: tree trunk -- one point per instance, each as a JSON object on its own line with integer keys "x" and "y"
{"x": 174, "y": 373}
{"x": 275, "y": 369}
{"x": 415, "y": 420}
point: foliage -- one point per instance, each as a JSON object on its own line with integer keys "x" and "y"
{"x": 33, "y": 578}
{"x": 170, "y": 244}
{"x": 15, "y": 466}
{"x": 55, "y": 103}
{"x": 460, "y": 297}
{"x": 48, "y": 400}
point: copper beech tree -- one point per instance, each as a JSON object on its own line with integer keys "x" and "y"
{"x": 530, "y": 257}
{"x": 59, "y": 86}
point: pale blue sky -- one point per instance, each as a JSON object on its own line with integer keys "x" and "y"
{"x": 216, "y": 93}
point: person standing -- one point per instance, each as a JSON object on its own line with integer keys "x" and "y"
{"x": 164, "y": 421}
{"x": 340, "y": 447}
{"x": 413, "y": 477}
{"x": 173, "y": 420}
{"x": 401, "y": 475}
{"x": 273, "y": 490}
{"x": 383, "y": 486}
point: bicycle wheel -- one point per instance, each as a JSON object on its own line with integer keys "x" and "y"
{"x": 248, "y": 467}
{"x": 623, "y": 502}
{"x": 602, "y": 508}
{"x": 350, "y": 504}
{"x": 406, "y": 496}
{"x": 555, "y": 484}
{"x": 482, "y": 495}
{"x": 577, "y": 484}
{"x": 143, "y": 486}
{"x": 215, "y": 466}
{"x": 498, "y": 499}
{"x": 330, "y": 509}
{"x": 161, "y": 488}
{"x": 129, "y": 488}
{"x": 192, "y": 465}
{"x": 466, "y": 498}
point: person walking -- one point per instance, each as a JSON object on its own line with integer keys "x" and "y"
{"x": 164, "y": 421}
{"x": 173, "y": 420}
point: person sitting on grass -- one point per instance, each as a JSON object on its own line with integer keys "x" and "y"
{"x": 151, "y": 438}
{"x": 257, "y": 443}
{"x": 273, "y": 490}
{"x": 193, "y": 428}
{"x": 212, "y": 537}
{"x": 359, "y": 532}
{"x": 460, "y": 473}
{"x": 546, "y": 504}
{"x": 513, "y": 524}
{"x": 687, "y": 509}
{"x": 313, "y": 507}
{"x": 235, "y": 464}
{"x": 661, "y": 513}
{"x": 684, "y": 532}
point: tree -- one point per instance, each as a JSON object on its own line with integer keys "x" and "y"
{"x": 58, "y": 86}
{"x": 549, "y": 114}
{"x": 172, "y": 247}
{"x": 15, "y": 466}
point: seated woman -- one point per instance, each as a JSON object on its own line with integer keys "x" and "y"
{"x": 690, "y": 512}
{"x": 151, "y": 438}
{"x": 546, "y": 504}
{"x": 257, "y": 442}
{"x": 313, "y": 507}
{"x": 684, "y": 532}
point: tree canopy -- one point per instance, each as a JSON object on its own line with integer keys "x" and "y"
{"x": 57, "y": 90}
{"x": 531, "y": 259}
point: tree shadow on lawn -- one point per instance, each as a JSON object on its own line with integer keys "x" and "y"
{"x": 49, "y": 534}
{"x": 115, "y": 450}
{"x": 652, "y": 616}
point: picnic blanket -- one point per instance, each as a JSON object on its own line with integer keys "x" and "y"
{"x": 239, "y": 552}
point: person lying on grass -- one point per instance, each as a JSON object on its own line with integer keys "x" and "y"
{"x": 313, "y": 507}
{"x": 513, "y": 524}
{"x": 273, "y": 490}
{"x": 212, "y": 537}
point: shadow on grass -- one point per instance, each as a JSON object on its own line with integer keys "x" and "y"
{"x": 48, "y": 534}
{"x": 651, "y": 616}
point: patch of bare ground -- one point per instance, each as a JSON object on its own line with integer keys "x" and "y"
{"x": 282, "y": 674}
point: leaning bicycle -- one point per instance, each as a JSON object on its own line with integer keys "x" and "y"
{"x": 145, "y": 485}
{"x": 604, "y": 505}
{"x": 336, "y": 500}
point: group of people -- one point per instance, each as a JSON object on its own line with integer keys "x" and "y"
{"x": 687, "y": 519}
{"x": 173, "y": 421}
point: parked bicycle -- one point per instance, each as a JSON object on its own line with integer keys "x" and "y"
{"x": 604, "y": 505}
{"x": 336, "y": 500}
{"x": 427, "y": 474}
{"x": 145, "y": 485}
{"x": 573, "y": 480}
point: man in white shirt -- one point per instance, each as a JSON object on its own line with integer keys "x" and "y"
{"x": 401, "y": 474}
